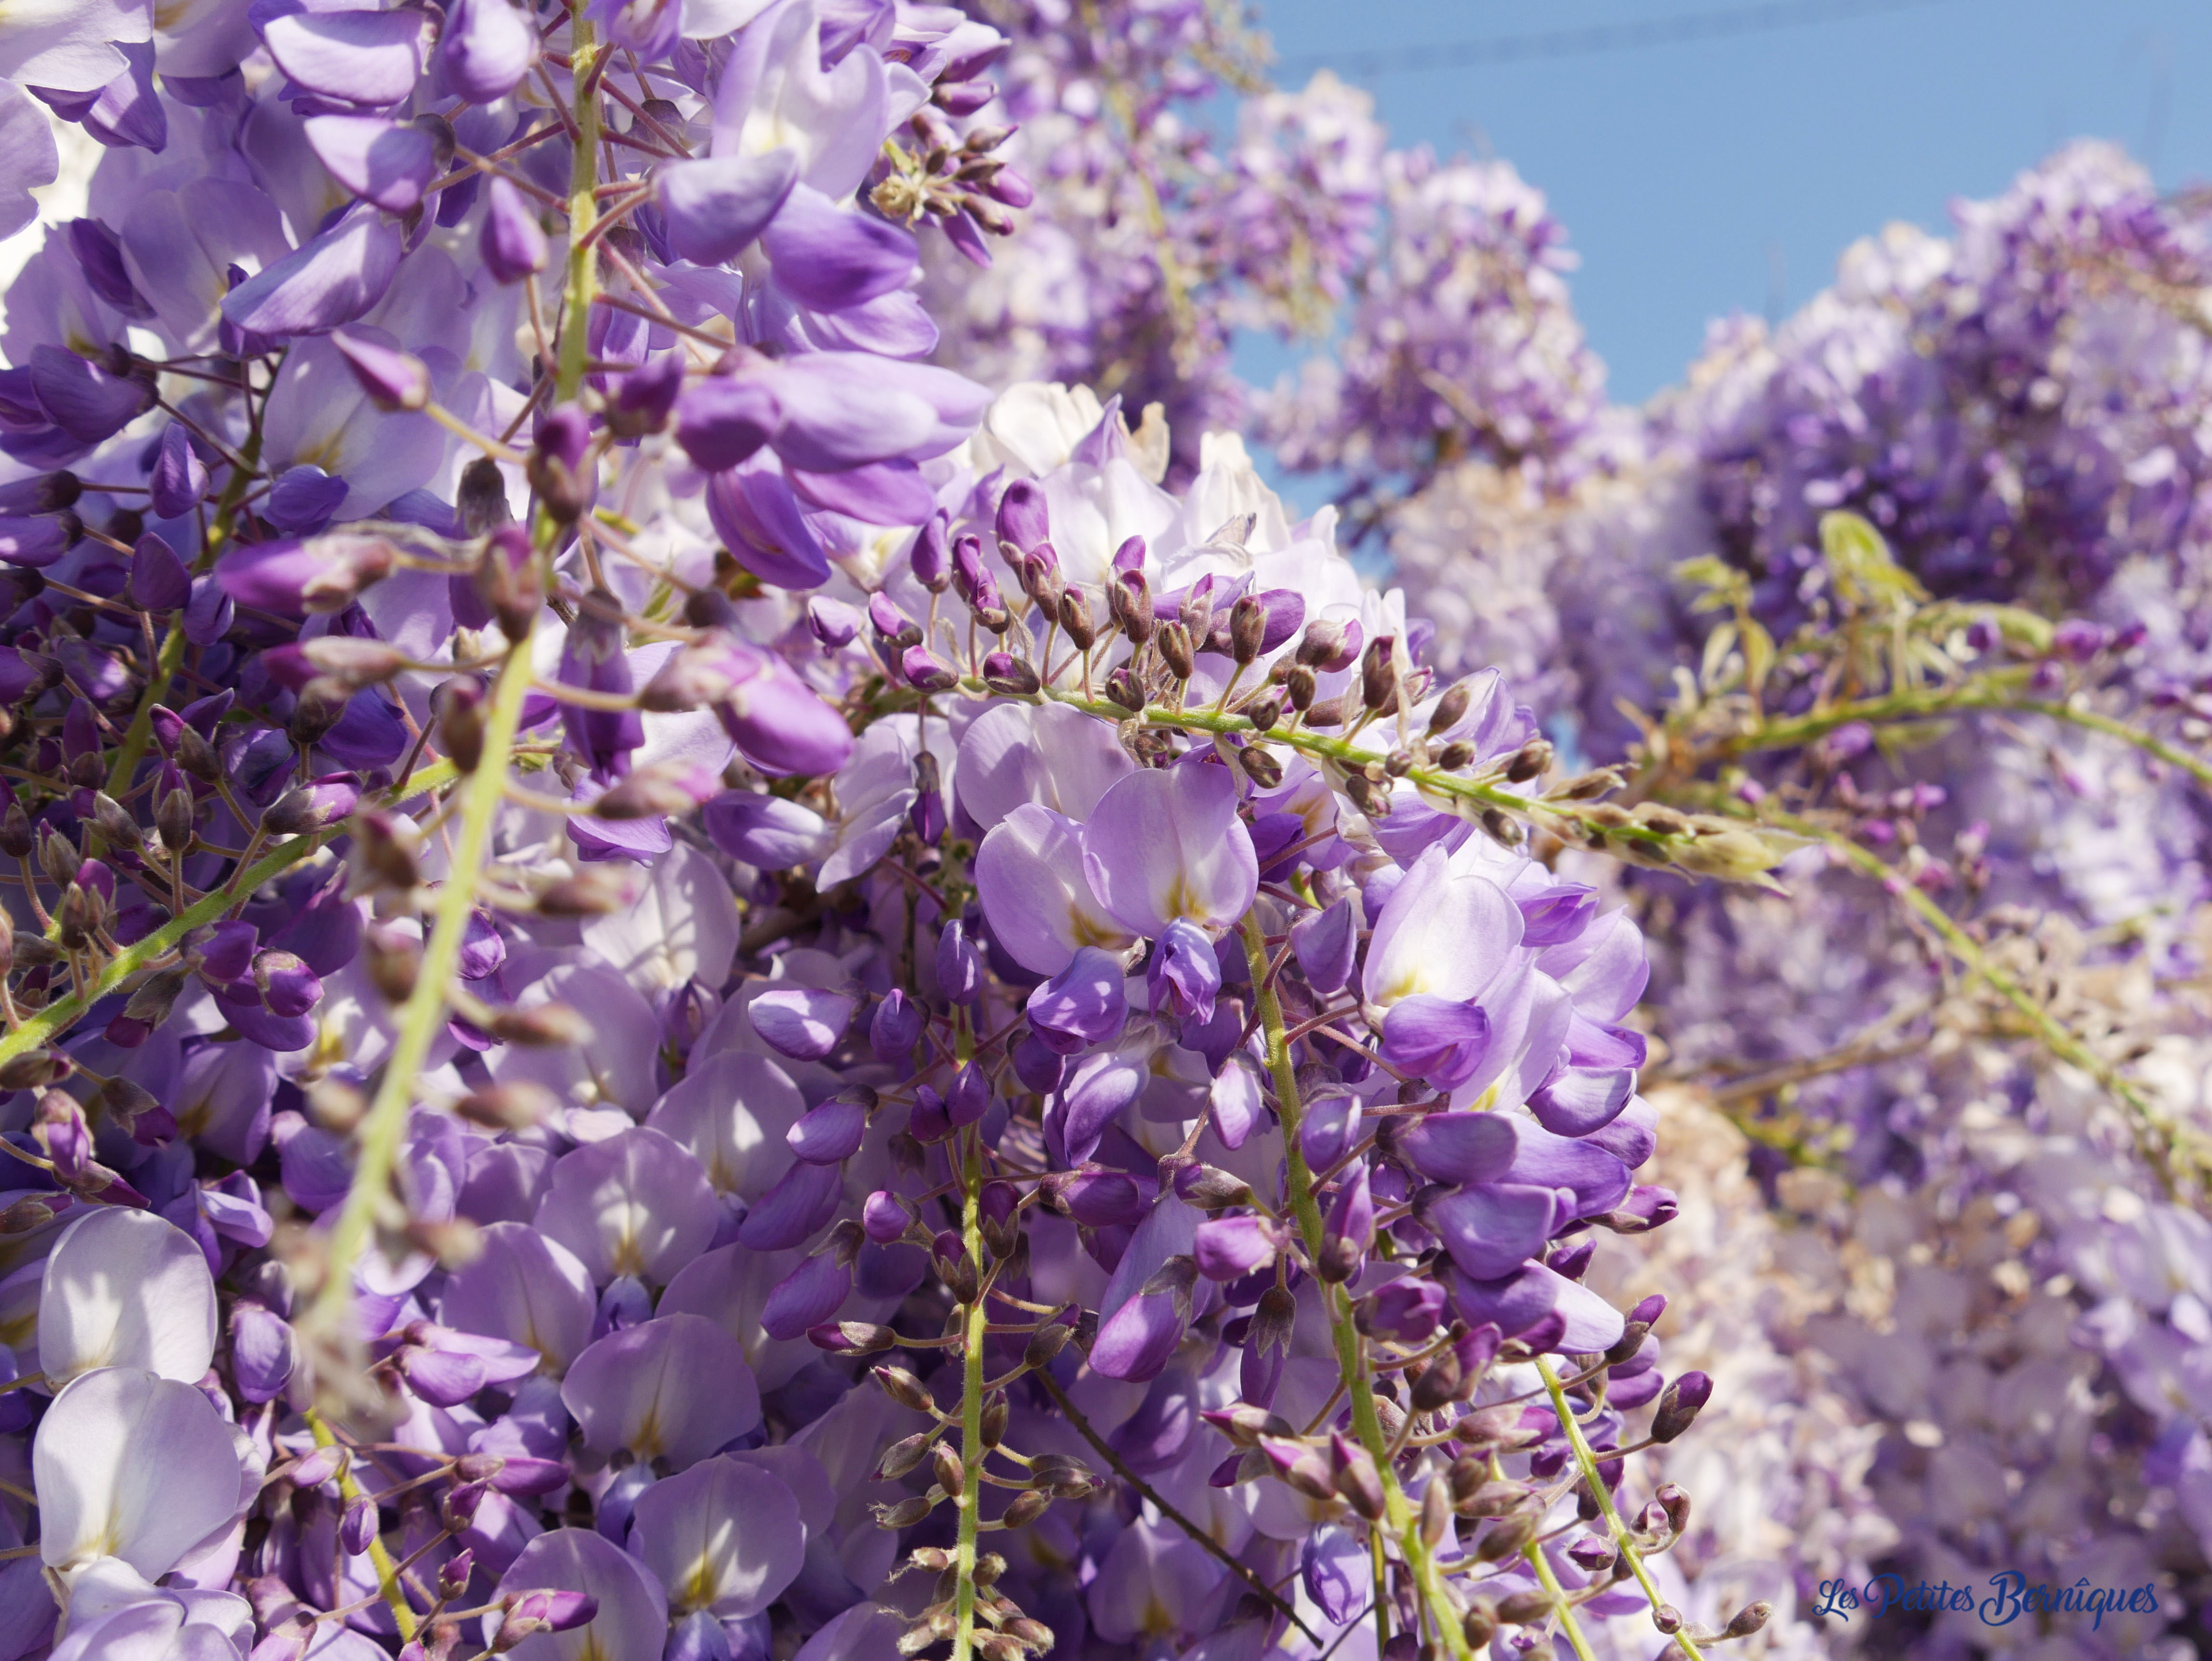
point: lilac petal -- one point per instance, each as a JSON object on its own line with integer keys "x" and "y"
{"x": 1576, "y": 1100}
{"x": 513, "y": 242}
{"x": 380, "y": 161}
{"x": 1555, "y": 916}
{"x": 1184, "y": 974}
{"x": 366, "y": 57}
{"x": 1230, "y": 1248}
{"x": 723, "y": 419}
{"x": 766, "y": 831}
{"x": 85, "y": 400}
{"x": 676, "y": 1387}
{"x": 1101, "y": 1087}
{"x": 829, "y": 1134}
{"x": 1326, "y": 943}
{"x": 37, "y": 541}
{"x": 1057, "y": 756}
{"x": 28, "y": 157}
{"x": 486, "y": 48}
{"x": 158, "y": 580}
{"x": 810, "y": 1294}
{"x": 262, "y": 1353}
{"x": 1136, "y": 1340}
{"x": 845, "y": 409}
{"x": 1235, "y": 1102}
{"x": 683, "y": 1531}
{"x": 1439, "y": 1039}
{"x": 1029, "y": 876}
{"x": 714, "y": 208}
{"x": 636, "y": 1203}
{"x": 1167, "y": 843}
{"x": 525, "y": 1287}
{"x": 880, "y": 493}
{"x": 761, "y": 524}
{"x": 332, "y": 279}
{"x": 629, "y": 1622}
{"x": 1491, "y": 1229}
{"x": 1593, "y": 1044}
{"x": 1594, "y": 1179}
{"x": 800, "y": 1202}
{"x": 802, "y": 1022}
{"x": 1461, "y": 1147}
{"x": 1081, "y": 1005}
{"x": 1632, "y": 1137}
{"x": 441, "y": 1379}
{"x": 828, "y": 259}
{"x": 1518, "y": 1302}
{"x": 1604, "y": 968}
{"x": 1443, "y": 931}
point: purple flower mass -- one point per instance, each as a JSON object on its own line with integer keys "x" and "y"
{"x": 701, "y": 965}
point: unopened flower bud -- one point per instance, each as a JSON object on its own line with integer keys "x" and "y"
{"x": 541, "y": 1026}
{"x": 596, "y": 890}
{"x": 1680, "y": 1405}
{"x": 1174, "y": 641}
{"x": 317, "y": 709}
{"x": 480, "y": 502}
{"x": 903, "y": 1388}
{"x": 516, "y": 1105}
{"x": 1248, "y": 629}
{"x": 357, "y": 1527}
{"x": 1027, "y": 1508}
{"x": 1009, "y": 676}
{"x": 1748, "y": 1620}
{"x": 945, "y": 1467}
{"x": 1075, "y": 619}
{"x": 1378, "y": 672}
{"x": 1525, "y": 1608}
{"x": 458, "y": 705}
{"x": 905, "y": 1514}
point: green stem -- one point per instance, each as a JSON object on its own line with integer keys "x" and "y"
{"x": 972, "y": 1451}
{"x": 1586, "y": 1462}
{"x": 387, "y": 1573}
{"x": 1404, "y": 1525}
{"x": 424, "y": 1011}
{"x": 1999, "y": 694}
{"x": 2160, "y": 1140}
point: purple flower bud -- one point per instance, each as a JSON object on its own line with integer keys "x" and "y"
{"x": 1230, "y": 1248}
{"x": 1406, "y": 1312}
{"x": 1023, "y": 520}
{"x": 724, "y": 419}
{"x": 1081, "y": 1006}
{"x": 832, "y": 622}
{"x": 357, "y": 1528}
{"x": 1846, "y": 743}
{"x": 2077, "y": 639}
{"x": 486, "y": 48}
{"x": 896, "y": 1028}
{"x": 1038, "y": 1065}
{"x": 561, "y": 1611}
{"x": 646, "y": 397}
{"x": 959, "y": 965}
{"x": 1184, "y": 975}
{"x": 1351, "y": 1227}
{"x": 779, "y": 721}
{"x": 320, "y": 1464}
{"x": 299, "y": 577}
{"x": 931, "y": 566}
{"x": 513, "y": 243}
{"x": 886, "y": 1217}
{"x": 159, "y": 581}
{"x": 1326, "y": 943}
{"x": 288, "y": 985}
{"x": 969, "y": 1099}
{"x": 1102, "y": 1199}
{"x": 319, "y": 802}
{"x": 178, "y": 476}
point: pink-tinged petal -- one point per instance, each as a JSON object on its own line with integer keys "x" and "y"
{"x": 1029, "y": 875}
{"x": 332, "y": 279}
{"x": 525, "y": 1287}
{"x": 366, "y": 58}
{"x": 676, "y": 1387}
{"x": 380, "y": 161}
{"x": 715, "y": 207}
{"x": 1167, "y": 843}
{"x": 725, "y": 1536}
{"x": 634, "y": 1204}
{"x": 630, "y": 1622}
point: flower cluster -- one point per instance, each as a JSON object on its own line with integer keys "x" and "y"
{"x": 678, "y": 988}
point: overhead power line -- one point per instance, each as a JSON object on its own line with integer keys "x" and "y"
{"x": 1599, "y": 38}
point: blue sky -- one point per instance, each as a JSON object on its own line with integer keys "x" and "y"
{"x": 1723, "y": 174}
